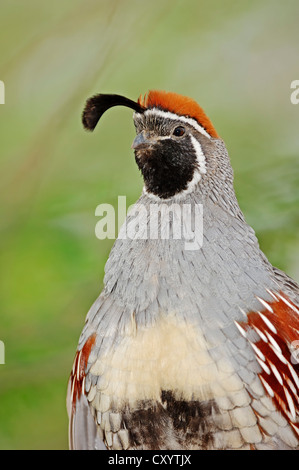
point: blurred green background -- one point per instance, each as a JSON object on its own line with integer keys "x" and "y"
{"x": 236, "y": 58}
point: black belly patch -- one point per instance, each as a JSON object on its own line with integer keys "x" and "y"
{"x": 172, "y": 424}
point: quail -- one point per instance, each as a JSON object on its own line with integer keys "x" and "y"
{"x": 193, "y": 341}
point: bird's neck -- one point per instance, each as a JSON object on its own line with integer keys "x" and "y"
{"x": 152, "y": 270}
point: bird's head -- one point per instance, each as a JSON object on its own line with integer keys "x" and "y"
{"x": 176, "y": 142}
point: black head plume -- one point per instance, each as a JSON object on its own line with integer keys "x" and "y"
{"x": 98, "y": 104}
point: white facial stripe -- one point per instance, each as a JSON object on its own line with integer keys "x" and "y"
{"x": 199, "y": 155}
{"x": 201, "y": 167}
{"x": 169, "y": 115}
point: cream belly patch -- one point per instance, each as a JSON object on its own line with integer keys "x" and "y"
{"x": 167, "y": 356}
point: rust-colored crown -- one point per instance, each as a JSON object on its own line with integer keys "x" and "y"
{"x": 178, "y": 104}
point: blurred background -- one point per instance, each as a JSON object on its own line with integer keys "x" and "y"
{"x": 237, "y": 59}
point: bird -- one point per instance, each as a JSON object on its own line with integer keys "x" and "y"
{"x": 193, "y": 341}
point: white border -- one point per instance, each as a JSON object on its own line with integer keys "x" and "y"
{"x": 168, "y": 115}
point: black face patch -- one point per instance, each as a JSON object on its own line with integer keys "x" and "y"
{"x": 167, "y": 166}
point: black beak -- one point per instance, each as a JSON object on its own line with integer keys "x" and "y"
{"x": 98, "y": 104}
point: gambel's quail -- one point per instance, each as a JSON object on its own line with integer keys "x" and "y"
{"x": 194, "y": 341}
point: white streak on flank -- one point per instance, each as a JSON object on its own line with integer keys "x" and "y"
{"x": 177, "y": 117}
{"x": 292, "y": 387}
{"x": 290, "y": 403}
{"x": 261, "y": 335}
{"x": 288, "y": 304}
{"x": 294, "y": 375}
{"x": 243, "y": 313}
{"x": 257, "y": 351}
{"x": 267, "y": 387}
{"x": 242, "y": 331}
{"x": 273, "y": 342}
{"x": 268, "y": 323}
{"x": 72, "y": 391}
{"x": 263, "y": 366}
{"x": 78, "y": 367}
{"x": 276, "y": 373}
{"x": 272, "y": 294}
{"x": 265, "y": 304}
{"x": 279, "y": 355}
{"x": 295, "y": 428}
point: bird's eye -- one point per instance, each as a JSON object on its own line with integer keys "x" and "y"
{"x": 179, "y": 131}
